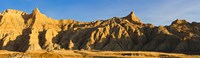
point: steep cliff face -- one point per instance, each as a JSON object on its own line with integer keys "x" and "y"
{"x": 20, "y": 31}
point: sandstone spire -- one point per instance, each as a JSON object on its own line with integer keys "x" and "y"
{"x": 38, "y": 20}
{"x": 36, "y": 12}
{"x": 38, "y": 16}
{"x": 133, "y": 18}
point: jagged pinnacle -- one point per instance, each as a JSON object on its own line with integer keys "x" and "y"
{"x": 133, "y": 18}
{"x": 36, "y": 11}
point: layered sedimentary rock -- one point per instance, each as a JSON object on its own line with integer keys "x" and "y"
{"x": 20, "y": 31}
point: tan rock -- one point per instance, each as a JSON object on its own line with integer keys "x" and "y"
{"x": 20, "y": 31}
{"x": 133, "y": 18}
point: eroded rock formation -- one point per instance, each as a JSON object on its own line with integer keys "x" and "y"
{"x": 20, "y": 31}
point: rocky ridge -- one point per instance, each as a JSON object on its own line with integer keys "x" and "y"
{"x": 20, "y": 31}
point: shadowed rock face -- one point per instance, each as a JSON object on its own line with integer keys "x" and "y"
{"x": 20, "y": 31}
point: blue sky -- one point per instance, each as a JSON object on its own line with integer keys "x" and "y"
{"x": 157, "y": 12}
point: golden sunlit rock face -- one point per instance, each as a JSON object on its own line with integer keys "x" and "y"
{"x": 20, "y": 31}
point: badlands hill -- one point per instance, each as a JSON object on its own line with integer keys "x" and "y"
{"x": 23, "y": 32}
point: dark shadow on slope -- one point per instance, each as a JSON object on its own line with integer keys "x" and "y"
{"x": 2, "y": 41}
{"x": 42, "y": 39}
{"x": 1, "y": 16}
{"x": 21, "y": 43}
{"x": 26, "y": 17}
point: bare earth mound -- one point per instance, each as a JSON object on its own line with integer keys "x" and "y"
{"x": 23, "y": 32}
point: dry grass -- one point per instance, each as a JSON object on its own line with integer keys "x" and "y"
{"x": 92, "y": 54}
